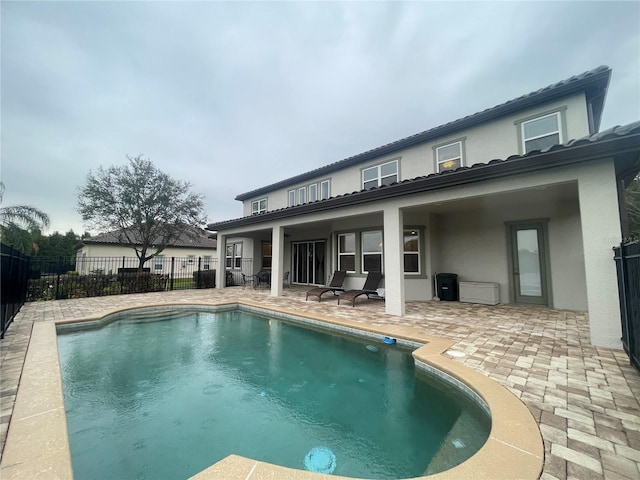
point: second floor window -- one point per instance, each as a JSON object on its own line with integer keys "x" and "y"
{"x": 302, "y": 195}
{"x": 541, "y": 132}
{"x": 449, "y": 157}
{"x": 292, "y": 197}
{"x": 313, "y": 192}
{"x": 325, "y": 190}
{"x": 383, "y": 174}
{"x": 258, "y": 206}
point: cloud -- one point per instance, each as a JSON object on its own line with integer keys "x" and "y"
{"x": 231, "y": 96}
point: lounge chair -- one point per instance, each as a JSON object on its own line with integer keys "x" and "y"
{"x": 369, "y": 288}
{"x": 334, "y": 286}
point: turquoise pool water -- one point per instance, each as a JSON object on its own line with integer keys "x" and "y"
{"x": 165, "y": 399}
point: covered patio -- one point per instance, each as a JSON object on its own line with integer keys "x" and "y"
{"x": 585, "y": 399}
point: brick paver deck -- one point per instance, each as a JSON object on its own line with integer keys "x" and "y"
{"x": 586, "y": 400}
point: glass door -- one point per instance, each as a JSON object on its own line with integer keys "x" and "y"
{"x": 308, "y": 263}
{"x": 529, "y": 263}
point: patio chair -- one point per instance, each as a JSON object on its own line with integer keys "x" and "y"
{"x": 263, "y": 278}
{"x": 248, "y": 280}
{"x": 369, "y": 288}
{"x": 334, "y": 286}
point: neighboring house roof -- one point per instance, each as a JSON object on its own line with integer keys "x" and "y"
{"x": 621, "y": 141}
{"x": 195, "y": 238}
{"x": 594, "y": 83}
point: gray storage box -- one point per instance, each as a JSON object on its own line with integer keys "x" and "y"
{"x": 479, "y": 292}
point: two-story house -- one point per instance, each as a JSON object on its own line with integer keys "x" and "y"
{"x": 502, "y": 196}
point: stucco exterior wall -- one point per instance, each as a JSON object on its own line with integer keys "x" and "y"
{"x": 473, "y": 244}
{"x": 498, "y": 139}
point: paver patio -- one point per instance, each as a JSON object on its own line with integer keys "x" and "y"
{"x": 586, "y": 400}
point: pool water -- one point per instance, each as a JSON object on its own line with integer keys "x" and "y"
{"x": 165, "y": 399}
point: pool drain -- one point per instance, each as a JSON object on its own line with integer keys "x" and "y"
{"x": 320, "y": 460}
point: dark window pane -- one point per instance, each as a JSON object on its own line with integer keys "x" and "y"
{"x": 541, "y": 143}
{"x": 411, "y": 263}
{"x": 372, "y": 263}
{"x": 348, "y": 262}
{"x": 389, "y": 180}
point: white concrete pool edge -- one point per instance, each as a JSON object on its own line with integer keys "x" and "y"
{"x": 37, "y": 443}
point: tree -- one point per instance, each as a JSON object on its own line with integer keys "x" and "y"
{"x": 18, "y": 224}
{"x": 58, "y": 245}
{"x": 143, "y": 206}
{"x": 632, "y": 200}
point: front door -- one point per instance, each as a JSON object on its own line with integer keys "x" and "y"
{"x": 528, "y": 262}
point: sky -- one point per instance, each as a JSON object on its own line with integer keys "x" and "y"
{"x": 232, "y": 96}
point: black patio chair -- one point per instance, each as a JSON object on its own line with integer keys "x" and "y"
{"x": 369, "y": 288}
{"x": 334, "y": 286}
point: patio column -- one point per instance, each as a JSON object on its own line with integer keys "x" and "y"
{"x": 601, "y": 230}
{"x": 221, "y": 269}
{"x": 277, "y": 261}
{"x": 393, "y": 261}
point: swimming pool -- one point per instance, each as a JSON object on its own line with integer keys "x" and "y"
{"x": 180, "y": 384}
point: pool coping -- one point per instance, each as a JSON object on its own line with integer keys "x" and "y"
{"x": 37, "y": 443}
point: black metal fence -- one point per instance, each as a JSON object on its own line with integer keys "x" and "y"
{"x": 61, "y": 278}
{"x": 14, "y": 268}
{"x": 627, "y": 257}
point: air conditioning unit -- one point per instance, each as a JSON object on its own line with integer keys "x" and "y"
{"x": 479, "y": 292}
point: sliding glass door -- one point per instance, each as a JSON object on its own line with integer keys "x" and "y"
{"x": 308, "y": 263}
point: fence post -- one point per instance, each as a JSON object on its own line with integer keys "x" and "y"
{"x": 199, "y": 274}
{"x": 58, "y": 286}
{"x": 122, "y": 275}
{"x": 173, "y": 266}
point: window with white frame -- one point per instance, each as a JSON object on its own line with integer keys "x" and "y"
{"x": 541, "y": 132}
{"x": 292, "y": 197}
{"x": 411, "y": 251}
{"x": 313, "y": 192}
{"x": 191, "y": 259}
{"x": 325, "y": 189}
{"x": 206, "y": 262}
{"x": 233, "y": 255}
{"x": 158, "y": 262}
{"x": 237, "y": 255}
{"x": 383, "y": 174}
{"x": 449, "y": 157}
{"x": 302, "y": 195}
{"x": 347, "y": 252}
{"x": 258, "y": 206}
{"x": 371, "y": 251}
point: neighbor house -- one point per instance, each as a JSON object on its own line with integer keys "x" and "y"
{"x": 502, "y": 197}
{"x": 190, "y": 250}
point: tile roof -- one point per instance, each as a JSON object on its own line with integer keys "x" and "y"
{"x": 622, "y": 139}
{"x": 195, "y": 238}
{"x": 594, "y": 82}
